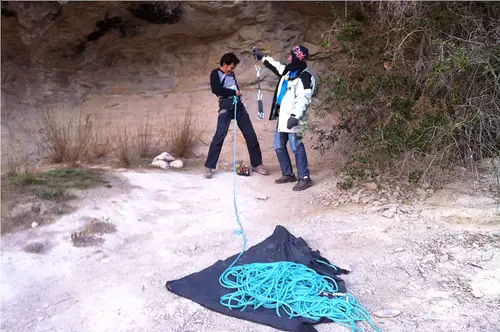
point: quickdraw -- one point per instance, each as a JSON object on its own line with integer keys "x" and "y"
{"x": 260, "y": 105}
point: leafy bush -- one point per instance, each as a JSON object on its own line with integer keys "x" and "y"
{"x": 431, "y": 88}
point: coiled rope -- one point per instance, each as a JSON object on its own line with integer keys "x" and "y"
{"x": 289, "y": 288}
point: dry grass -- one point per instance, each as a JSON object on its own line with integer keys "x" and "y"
{"x": 182, "y": 132}
{"x": 145, "y": 136}
{"x": 125, "y": 150}
{"x": 67, "y": 139}
{"x": 100, "y": 144}
{"x": 85, "y": 136}
{"x": 15, "y": 158}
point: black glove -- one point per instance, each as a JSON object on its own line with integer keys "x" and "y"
{"x": 292, "y": 122}
{"x": 257, "y": 54}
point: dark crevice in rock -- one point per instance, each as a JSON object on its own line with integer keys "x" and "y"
{"x": 6, "y": 11}
{"x": 157, "y": 12}
{"x": 104, "y": 26}
{"x": 108, "y": 24}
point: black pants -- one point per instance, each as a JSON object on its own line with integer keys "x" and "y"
{"x": 226, "y": 114}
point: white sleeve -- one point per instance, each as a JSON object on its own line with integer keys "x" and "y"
{"x": 280, "y": 68}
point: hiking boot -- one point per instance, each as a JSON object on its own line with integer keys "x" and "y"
{"x": 260, "y": 169}
{"x": 286, "y": 179}
{"x": 303, "y": 184}
{"x": 208, "y": 173}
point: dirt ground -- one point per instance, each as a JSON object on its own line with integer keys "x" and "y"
{"x": 436, "y": 260}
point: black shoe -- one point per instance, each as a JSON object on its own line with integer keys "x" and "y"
{"x": 303, "y": 184}
{"x": 286, "y": 179}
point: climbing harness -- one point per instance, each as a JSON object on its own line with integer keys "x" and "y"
{"x": 287, "y": 287}
{"x": 260, "y": 105}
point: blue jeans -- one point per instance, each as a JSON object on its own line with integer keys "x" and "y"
{"x": 280, "y": 141}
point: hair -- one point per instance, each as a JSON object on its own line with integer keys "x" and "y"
{"x": 229, "y": 58}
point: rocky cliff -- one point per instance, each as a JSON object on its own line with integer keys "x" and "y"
{"x": 127, "y": 57}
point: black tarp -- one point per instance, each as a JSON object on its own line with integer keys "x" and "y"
{"x": 203, "y": 287}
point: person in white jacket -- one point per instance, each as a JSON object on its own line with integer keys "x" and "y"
{"x": 290, "y": 103}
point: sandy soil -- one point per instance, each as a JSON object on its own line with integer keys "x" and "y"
{"x": 437, "y": 261}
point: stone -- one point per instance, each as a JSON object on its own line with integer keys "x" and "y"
{"x": 371, "y": 186}
{"x": 402, "y": 209}
{"x": 476, "y": 293}
{"x": 160, "y": 163}
{"x": 443, "y": 258}
{"x": 389, "y": 214}
{"x": 429, "y": 258}
{"x": 164, "y": 156}
{"x": 34, "y": 224}
{"x": 36, "y": 207}
{"x": 176, "y": 163}
{"x": 387, "y": 313}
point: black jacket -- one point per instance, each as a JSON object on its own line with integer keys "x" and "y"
{"x": 218, "y": 88}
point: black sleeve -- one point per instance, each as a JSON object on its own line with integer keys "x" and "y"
{"x": 272, "y": 68}
{"x": 306, "y": 80}
{"x": 217, "y": 87}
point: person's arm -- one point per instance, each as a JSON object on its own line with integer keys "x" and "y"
{"x": 303, "y": 96}
{"x": 275, "y": 66}
{"x": 217, "y": 87}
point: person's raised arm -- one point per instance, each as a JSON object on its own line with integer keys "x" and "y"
{"x": 275, "y": 66}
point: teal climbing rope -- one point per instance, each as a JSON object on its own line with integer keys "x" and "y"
{"x": 240, "y": 231}
{"x": 289, "y": 288}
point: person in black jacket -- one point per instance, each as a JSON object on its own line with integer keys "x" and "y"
{"x": 225, "y": 87}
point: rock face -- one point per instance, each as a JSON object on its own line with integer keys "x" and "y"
{"x": 124, "y": 57}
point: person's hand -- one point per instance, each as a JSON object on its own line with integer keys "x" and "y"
{"x": 292, "y": 122}
{"x": 238, "y": 93}
{"x": 257, "y": 54}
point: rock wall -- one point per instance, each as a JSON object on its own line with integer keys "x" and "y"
{"x": 120, "y": 59}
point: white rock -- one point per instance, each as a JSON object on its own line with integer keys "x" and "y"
{"x": 443, "y": 258}
{"x": 387, "y": 313}
{"x": 388, "y": 214}
{"x": 160, "y": 163}
{"x": 176, "y": 163}
{"x": 34, "y": 224}
{"x": 476, "y": 293}
{"x": 164, "y": 156}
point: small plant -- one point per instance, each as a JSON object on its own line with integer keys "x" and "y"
{"x": 67, "y": 139}
{"x": 415, "y": 176}
{"x": 100, "y": 144}
{"x": 52, "y": 193}
{"x": 182, "y": 132}
{"x": 15, "y": 157}
{"x": 124, "y": 149}
{"x": 350, "y": 31}
{"x": 347, "y": 184}
{"x": 145, "y": 137}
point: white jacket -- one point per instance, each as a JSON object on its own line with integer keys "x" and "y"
{"x": 297, "y": 98}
